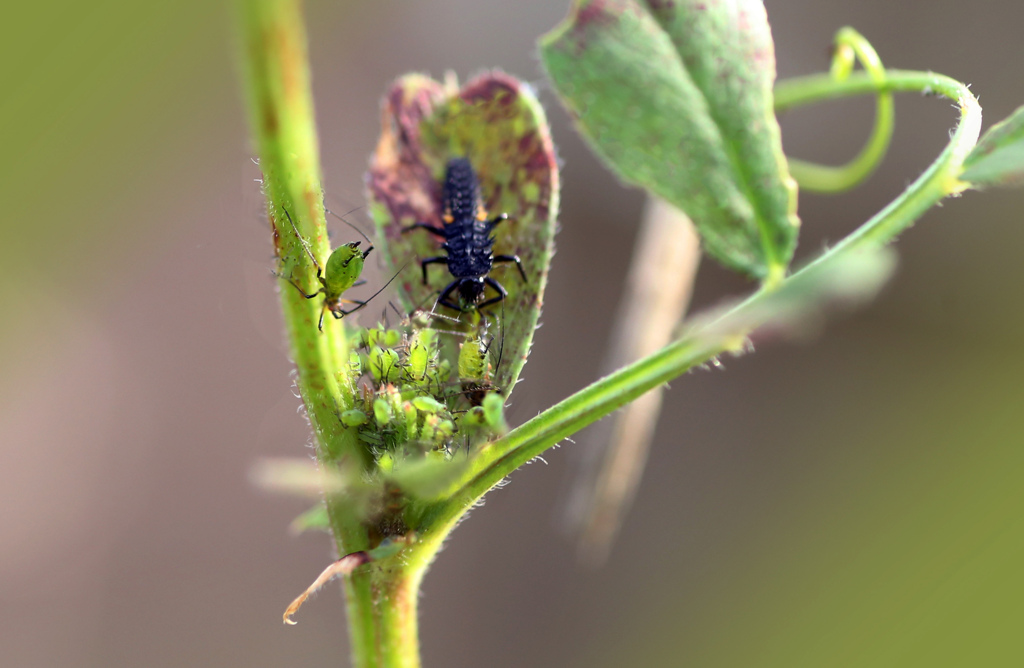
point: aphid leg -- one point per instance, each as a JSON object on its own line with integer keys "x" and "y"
{"x": 301, "y": 291}
{"x": 433, "y": 229}
{"x": 361, "y": 281}
{"x": 499, "y": 288}
{"x": 431, "y": 260}
{"x": 305, "y": 246}
{"x": 340, "y": 313}
{"x": 513, "y": 258}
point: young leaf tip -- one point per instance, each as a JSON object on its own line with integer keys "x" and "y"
{"x": 998, "y": 159}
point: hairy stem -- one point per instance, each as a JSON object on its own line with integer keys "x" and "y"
{"x": 381, "y": 601}
{"x": 382, "y": 615}
{"x": 281, "y": 117}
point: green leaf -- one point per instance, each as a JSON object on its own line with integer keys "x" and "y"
{"x": 677, "y": 98}
{"x": 343, "y": 486}
{"x": 496, "y": 122}
{"x": 799, "y": 306}
{"x": 998, "y": 159}
{"x": 426, "y": 479}
{"x": 313, "y": 519}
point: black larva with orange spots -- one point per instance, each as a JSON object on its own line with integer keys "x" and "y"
{"x": 467, "y": 241}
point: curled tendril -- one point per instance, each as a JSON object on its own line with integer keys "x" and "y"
{"x": 850, "y": 47}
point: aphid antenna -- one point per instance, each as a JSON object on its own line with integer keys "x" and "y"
{"x": 436, "y": 314}
{"x": 382, "y": 289}
{"x": 352, "y": 225}
{"x": 419, "y": 311}
{"x": 451, "y": 332}
{"x": 442, "y": 316}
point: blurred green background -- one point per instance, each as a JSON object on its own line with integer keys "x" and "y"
{"x": 854, "y": 501}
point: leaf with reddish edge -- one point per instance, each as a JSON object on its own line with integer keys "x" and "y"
{"x": 497, "y": 123}
{"x": 676, "y": 97}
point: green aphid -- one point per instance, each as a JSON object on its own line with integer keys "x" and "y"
{"x": 475, "y": 369}
{"x": 354, "y": 418}
{"x": 494, "y": 412}
{"x": 481, "y": 422}
{"x": 422, "y": 351}
{"x": 355, "y": 364}
{"x": 408, "y": 392}
{"x": 437, "y": 377}
{"x": 428, "y": 405}
{"x": 444, "y": 430}
{"x": 423, "y": 370}
{"x": 392, "y": 398}
{"x": 386, "y": 462}
{"x": 344, "y": 266}
{"x": 379, "y": 336}
{"x": 392, "y": 338}
{"x": 384, "y": 365}
{"x": 430, "y": 423}
{"x": 473, "y": 364}
{"x": 382, "y": 412}
{"x": 473, "y": 419}
{"x": 359, "y": 336}
{"x": 372, "y": 336}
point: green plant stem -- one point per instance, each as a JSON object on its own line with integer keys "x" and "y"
{"x": 280, "y": 105}
{"x": 532, "y": 438}
{"x": 382, "y": 614}
{"x": 281, "y": 116}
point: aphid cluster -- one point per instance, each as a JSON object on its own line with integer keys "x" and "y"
{"x": 413, "y": 398}
{"x": 412, "y": 401}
